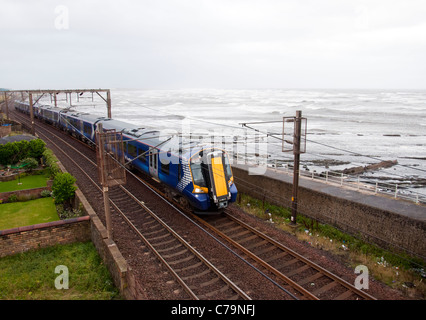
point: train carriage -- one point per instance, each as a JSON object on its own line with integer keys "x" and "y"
{"x": 198, "y": 176}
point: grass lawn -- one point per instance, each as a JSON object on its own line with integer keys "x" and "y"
{"x": 19, "y": 214}
{"x": 31, "y": 275}
{"x": 28, "y": 182}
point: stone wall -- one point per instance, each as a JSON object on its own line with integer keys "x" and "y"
{"x": 28, "y": 194}
{"x": 120, "y": 271}
{"x": 43, "y": 235}
{"x": 385, "y": 222}
{"x": 5, "y": 131}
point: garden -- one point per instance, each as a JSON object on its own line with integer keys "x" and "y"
{"x": 33, "y": 190}
{"x": 26, "y": 169}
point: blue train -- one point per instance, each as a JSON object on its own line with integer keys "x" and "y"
{"x": 199, "y": 177}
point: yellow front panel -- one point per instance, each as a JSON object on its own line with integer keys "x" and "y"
{"x": 219, "y": 177}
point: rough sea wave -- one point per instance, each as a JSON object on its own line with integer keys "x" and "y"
{"x": 345, "y": 128}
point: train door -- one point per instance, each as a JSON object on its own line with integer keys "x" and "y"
{"x": 218, "y": 178}
{"x": 153, "y": 163}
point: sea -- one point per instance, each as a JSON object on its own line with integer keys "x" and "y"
{"x": 341, "y": 128}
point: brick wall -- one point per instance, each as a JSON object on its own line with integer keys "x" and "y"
{"x": 5, "y": 131}
{"x": 28, "y": 194}
{"x": 120, "y": 271}
{"x": 84, "y": 228}
{"x": 43, "y": 235}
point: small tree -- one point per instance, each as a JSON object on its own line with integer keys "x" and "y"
{"x": 36, "y": 148}
{"x": 29, "y": 164}
{"x": 63, "y": 189}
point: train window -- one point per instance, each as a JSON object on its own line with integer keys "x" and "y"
{"x": 87, "y": 129}
{"x": 197, "y": 174}
{"x": 141, "y": 158}
{"x": 228, "y": 170}
{"x": 131, "y": 150}
{"x": 165, "y": 168}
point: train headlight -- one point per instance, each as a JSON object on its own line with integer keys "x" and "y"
{"x": 199, "y": 190}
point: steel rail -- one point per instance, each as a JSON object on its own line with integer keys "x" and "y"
{"x": 303, "y": 259}
{"x": 296, "y": 255}
{"x": 134, "y": 228}
{"x": 229, "y": 282}
{"x": 272, "y": 269}
{"x": 280, "y": 275}
{"x": 184, "y": 213}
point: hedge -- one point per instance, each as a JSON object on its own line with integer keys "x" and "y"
{"x": 13, "y": 152}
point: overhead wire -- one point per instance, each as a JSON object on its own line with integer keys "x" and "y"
{"x": 274, "y": 135}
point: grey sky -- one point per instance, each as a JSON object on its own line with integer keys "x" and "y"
{"x": 213, "y": 44}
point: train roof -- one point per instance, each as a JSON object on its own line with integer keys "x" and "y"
{"x": 176, "y": 145}
{"x": 147, "y": 134}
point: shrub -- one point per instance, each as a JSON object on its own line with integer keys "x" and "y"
{"x": 12, "y": 198}
{"x": 67, "y": 213}
{"x": 51, "y": 161}
{"x": 30, "y": 164}
{"x": 9, "y": 153}
{"x": 63, "y": 188}
{"x": 13, "y": 152}
{"x": 45, "y": 194}
{"x": 36, "y": 148}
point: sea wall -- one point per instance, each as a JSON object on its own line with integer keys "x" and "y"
{"x": 386, "y": 222}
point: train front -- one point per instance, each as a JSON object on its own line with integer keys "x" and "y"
{"x": 212, "y": 179}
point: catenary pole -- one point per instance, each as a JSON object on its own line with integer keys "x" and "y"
{"x": 296, "y": 152}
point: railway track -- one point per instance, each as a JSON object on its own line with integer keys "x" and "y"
{"x": 303, "y": 278}
{"x": 308, "y": 278}
{"x": 199, "y": 278}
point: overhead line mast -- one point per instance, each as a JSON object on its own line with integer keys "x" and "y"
{"x": 67, "y": 92}
{"x": 297, "y": 146}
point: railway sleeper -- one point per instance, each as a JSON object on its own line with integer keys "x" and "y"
{"x": 193, "y": 266}
{"x": 179, "y": 253}
{"x": 153, "y": 231}
{"x": 345, "y": 295}
{"x": 325, "y": 288}
{"x": 210, "y": 282}
{"x": 159, "y": 237}
{"x": 241, "y": 234}
{"x": 280, "y": 255}
{"x": 266, "y": 250}
{"x": 165, "y": 243}
{"x": 197, "y": 275}
{"x": 298, "y": 270}
{"x": 244, "y": 240}
{"x": 188, "y": 258}
{"x": 231, "y": 230}
{"x": 256, "y": 245}
{"x": 310, "y": 279}
{"x": 215, "y": 292}
{"x": 169, "y": 248}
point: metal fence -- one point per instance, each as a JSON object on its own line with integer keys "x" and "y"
{"x": 396, "y": 191}
{"x": 356, "y": 183}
